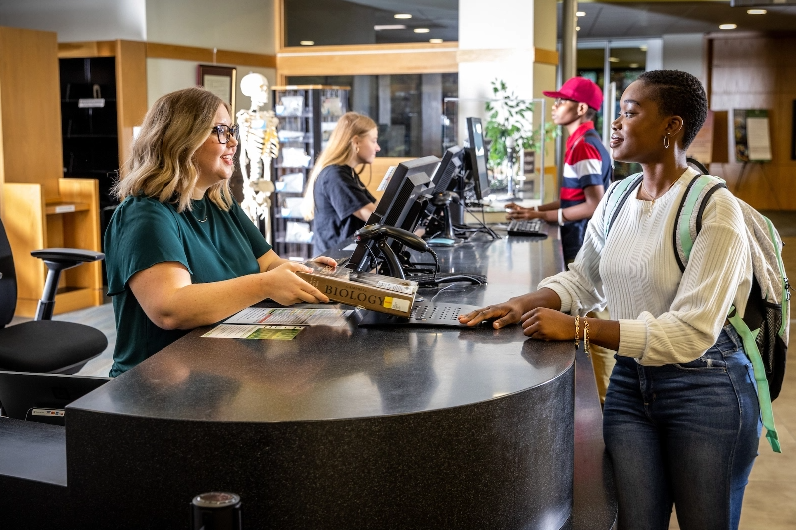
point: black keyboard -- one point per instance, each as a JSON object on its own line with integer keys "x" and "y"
{"x": 527, "y": 227}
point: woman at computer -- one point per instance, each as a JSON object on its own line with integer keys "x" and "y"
{"x": 336, "y": 199}
{"x": 180, "y": 252}
{"x": 681, "y": 417}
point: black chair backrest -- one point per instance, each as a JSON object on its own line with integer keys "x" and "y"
{"x": 8, "y": 280}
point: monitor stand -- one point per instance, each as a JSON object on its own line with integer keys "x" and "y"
{"x": 442, "y": 202}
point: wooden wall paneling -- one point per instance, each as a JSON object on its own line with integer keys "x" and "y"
{"x": 79, "y": 50}
{"x": 370, "y": 63}
{"x": 208, "y": 55}
{"x": 373, "y": 175}
{"x": 23, "y": 217}
{"x": 31, "y": 108}
{"x": 752, "y": 72}
{"x": 131, "y": 92}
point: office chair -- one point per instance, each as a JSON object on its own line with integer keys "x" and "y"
{"x": 44, "y": 345}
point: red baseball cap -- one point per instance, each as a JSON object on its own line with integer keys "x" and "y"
{"x": 581, "y": 90}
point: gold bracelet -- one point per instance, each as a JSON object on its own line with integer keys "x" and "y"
{"x": 586, "y": 337}
{"x": 577, "y": 331}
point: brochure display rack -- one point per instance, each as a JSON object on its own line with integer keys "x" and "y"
{"x": 307, "y": 115}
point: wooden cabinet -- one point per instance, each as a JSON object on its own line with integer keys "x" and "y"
{"x": 39, "y": 207}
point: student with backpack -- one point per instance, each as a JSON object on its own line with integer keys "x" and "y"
{"x": 681, "y": 418}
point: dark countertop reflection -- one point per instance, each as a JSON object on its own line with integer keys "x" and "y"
{"x": 338, "y": 373}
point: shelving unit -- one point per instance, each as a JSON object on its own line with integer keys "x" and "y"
{"x": 39, "y": 207}
{"x": 307, "y": 115}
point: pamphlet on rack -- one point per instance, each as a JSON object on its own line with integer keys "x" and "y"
{"x": 290, "y": 316}
{"x": 371, "y": 291}
{"x": 228, "y": 331}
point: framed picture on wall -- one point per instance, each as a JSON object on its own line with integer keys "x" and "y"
{"x": 220, "y": 80}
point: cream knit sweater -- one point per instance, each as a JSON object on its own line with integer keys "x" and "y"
{"x": 665, "y": 316}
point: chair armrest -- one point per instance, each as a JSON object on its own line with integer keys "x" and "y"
{"x": 68, "y": 255}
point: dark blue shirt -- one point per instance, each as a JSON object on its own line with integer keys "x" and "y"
{"x": 338, "y": 194}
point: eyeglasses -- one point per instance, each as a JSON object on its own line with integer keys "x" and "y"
{"x": 558, "y": 101}
{"x": 225, "y": 133}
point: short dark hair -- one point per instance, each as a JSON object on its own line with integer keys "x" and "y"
{"x": 679, "y": 94}
{"x": 590, "y": 113}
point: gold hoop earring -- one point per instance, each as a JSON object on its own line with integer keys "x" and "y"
{"x": 666, "y": 142}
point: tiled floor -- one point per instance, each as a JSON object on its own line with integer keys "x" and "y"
{"x": 770, "y": 501}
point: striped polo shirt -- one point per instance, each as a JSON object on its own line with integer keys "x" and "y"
{"x": 586, "y": 163}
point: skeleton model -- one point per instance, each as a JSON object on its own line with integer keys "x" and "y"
{"x": 260, "y": 144}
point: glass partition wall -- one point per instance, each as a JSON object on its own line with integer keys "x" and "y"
{"x": 620, "y": 63}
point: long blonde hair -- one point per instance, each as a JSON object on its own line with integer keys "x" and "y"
{"x": 338, "y": 152}
{"x": 161, "y": 163}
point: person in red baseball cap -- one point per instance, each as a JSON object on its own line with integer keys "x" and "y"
{"x": 587, "y": 165}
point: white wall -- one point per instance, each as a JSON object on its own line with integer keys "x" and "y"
{"x": 685, "y": 52}
{"x": 78, "y": 20}
{"x": 240, "y": 25}
{"x": 168, "y": 75}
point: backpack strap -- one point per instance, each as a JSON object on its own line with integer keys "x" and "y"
{"x": 763, "y": 394}
{"x": 617, "y": 196}
{"x": 689, "y": 215}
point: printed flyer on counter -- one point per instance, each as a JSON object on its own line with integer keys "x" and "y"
{"x": 290, "y": 316}
{"x": 229, "y": 331}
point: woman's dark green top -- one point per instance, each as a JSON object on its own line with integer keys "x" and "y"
{"x": 213, "y": 244}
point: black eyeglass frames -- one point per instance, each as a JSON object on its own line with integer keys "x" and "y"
{"x": 225, "y": 132}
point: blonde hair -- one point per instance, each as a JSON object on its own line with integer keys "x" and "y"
{"x": 338, "y": 152}
{"x": 161, "y": 163}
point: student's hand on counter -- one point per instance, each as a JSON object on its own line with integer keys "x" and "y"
{"x": 515, "y": 211}
{"x": 284, "y": 287}
{"x": 503, "y": 314}
{"x": 548, "y": 324}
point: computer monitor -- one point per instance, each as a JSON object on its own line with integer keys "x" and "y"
{"x": 477, "y": 158}
{"x": 400, "y": 206}
{"x": 43, "y": 397}
{"x": 448, "y": 169}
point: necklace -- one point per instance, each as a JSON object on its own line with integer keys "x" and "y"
{"x": 194, "y": 206}
{"x": 649, "y": 205}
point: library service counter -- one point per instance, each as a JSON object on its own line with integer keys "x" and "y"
{"x": 349, "y": 427}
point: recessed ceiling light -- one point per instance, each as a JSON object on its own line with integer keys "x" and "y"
{"x": 728, "y": 26}
{"x": 577, "y": 28}
{"x": 435, "y": 41}
{"x": 613, "y": 59}
{"x": 633, "y": 65}
{"x": 643, "y": 47}
{"x": 382, "y": 27}
{"x": 580, "y": 14}
{"x": 756, "y": 11}
{"x": 307, "y": 43}
{"x": 402, "y": 15}
{"x": 422, "y": 30}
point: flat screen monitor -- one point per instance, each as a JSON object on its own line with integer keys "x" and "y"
{"x": 402, "y": 203}
{"x": 448, "y": 169}
{"x": 32, "y": 396}
{"x": 477, "y": 157}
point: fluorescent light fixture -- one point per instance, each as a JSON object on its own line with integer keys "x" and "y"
{"x": 580, "y": 14}
{"x": 382, "y": 27}
{"x": 435, "y": 41}
{"x": 756, "y": 11}
{"x": 728, "y": 26}
{"x": 643, "y": 47}
{"x": 307, "y": 43}
{"x": 422, "y": 30}
{"x": 633, "y": 65}
{"x": 402, "y": 15}
{"x": 613, "y": 59}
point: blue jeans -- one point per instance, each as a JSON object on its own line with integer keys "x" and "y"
{"x": 683, "y": 434}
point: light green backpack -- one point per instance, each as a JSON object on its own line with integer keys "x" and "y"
{"x": 764, "y": 327}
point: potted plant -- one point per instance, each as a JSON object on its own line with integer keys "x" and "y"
{"x": 509, "y": 116}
